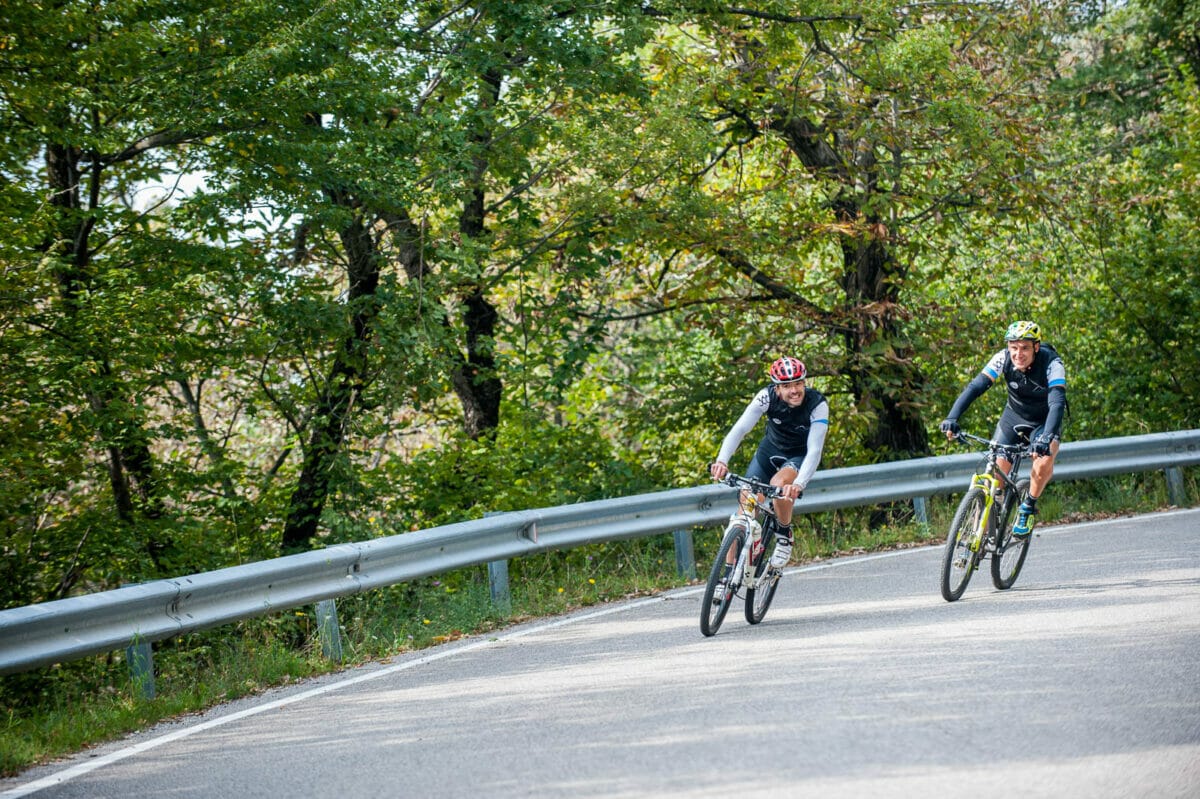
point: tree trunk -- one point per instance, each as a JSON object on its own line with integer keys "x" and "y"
{"x": 475, "y": 381}
{"x": 883, "y": 378}
{"x": 130, "y": 462}
{"x": 336, "y": 401}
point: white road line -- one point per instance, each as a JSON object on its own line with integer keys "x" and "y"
{"x": 99, "y": 762}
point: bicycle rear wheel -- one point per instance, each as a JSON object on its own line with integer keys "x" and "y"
{"x": 1010, "y": 552}
{"x": 958, "y": 561}
{"x": 714, "y": 607}
{"x": 758, "y": 599}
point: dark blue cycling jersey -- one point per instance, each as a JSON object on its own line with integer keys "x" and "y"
{"x": 1036, "y": 396}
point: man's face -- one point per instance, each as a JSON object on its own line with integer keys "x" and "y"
{"x": 1022, "y": 353}
{"x": 791, "y": 393}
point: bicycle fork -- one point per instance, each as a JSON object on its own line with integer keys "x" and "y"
{"x": 742, "y": 574}
{"x": 986, "y": 483}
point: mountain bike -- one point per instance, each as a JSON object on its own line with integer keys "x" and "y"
{"x": 982, "y": 525}
{"x": 749, "y": 536}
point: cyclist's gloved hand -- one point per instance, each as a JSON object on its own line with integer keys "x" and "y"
{"x": 950, "y": 427}
{"x": 1041, "y": 445}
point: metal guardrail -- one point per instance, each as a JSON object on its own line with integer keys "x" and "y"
{"x": 52, "y": 632}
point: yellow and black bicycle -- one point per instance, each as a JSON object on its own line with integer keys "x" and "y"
{"x": 982, "y": 525}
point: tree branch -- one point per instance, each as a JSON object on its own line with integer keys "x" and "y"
{"x": 753, "y": 13}
{"x": 774, "y": 289}
{"x": 163, "y": 138}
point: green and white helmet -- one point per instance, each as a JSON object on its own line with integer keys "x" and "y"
{"x": 1023, "y": 331}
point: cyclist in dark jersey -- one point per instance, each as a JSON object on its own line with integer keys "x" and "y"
{"x": 790, "y": 449}
{"x": 1037, "y": 396}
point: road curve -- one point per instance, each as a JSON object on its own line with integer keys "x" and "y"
{"x": 1081, "y": 681}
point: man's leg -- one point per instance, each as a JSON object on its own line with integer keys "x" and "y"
{"x": 1039, "y": 476}
{"x": 1041, "y": 471}
{"x": 783, "y": 511}
{"x": 783, "y": 507}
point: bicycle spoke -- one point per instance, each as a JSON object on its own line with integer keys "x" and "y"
{"x": 718, "y": 597}
{"x": 1010, "y": 557}
{"x": 958, "y": 559}
{"x": 759, "y": 599}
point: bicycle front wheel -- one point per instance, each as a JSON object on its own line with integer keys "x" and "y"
{"x": 1010, "y": 552}
{"x": 766, "y": 580}
{"x": 718, "y": 594}
{"x": 958, "y": 561}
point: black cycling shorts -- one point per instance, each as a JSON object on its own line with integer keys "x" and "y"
{"x": 1013, "y": 428}
{"x": 768, "y": 461}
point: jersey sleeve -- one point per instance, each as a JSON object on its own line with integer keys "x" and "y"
{"x": 745, "y": 423}
{"x": 819, "y": 426}
{"x": 981, "y": 383}
{"x": 995, "y": 367}
{"x": 1056, "y": 374}
{"x": 1056, "y": 382}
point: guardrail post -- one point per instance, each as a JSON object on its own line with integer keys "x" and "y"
{"x": 328, "y": 630}
{"x": 498, "y": 578}
{"x": 920, "y": 510}
{"x": 685, "y": 554}
{"x": 498, "y": 584}
{"x": 1176, "y": 493}
{"x": 140, "y": 657}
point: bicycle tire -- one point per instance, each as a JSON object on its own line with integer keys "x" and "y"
{"x": 713, "y": 613}
{"x": 1010, "y": 552}
{"x": 758, "y": 599}
{"x": 958, "y": 561}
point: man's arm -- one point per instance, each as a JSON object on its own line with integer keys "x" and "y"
{"x": 974, "y": 390}
{"x": 745, "y": 423}
{"x": 816, "y": 445}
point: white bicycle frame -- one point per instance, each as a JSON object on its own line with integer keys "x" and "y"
{"x": 754, "y": 544}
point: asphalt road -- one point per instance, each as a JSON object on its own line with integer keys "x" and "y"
{"x": 1081, "y": 681}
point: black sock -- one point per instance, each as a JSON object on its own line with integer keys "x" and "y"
{"x": 785, "y": 533}
{"x": 1031, "y": 503}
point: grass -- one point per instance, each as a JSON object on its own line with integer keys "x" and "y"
{"x": 67, "y": 708}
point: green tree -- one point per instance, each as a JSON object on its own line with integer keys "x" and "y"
{"x": 425, "y": 155}
{"x": 1129, "y": 199}
{"x": 101, "y": 102}
{"x": 845, "y": 144}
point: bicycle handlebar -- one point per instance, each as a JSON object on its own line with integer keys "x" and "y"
{"x": 962, "y": 436}
{"x": 766, "y": 489}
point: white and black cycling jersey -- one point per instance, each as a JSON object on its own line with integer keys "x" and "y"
{"x": 794, "y": 433}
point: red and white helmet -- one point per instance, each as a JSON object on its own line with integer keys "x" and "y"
{"x": 788, "y": 370}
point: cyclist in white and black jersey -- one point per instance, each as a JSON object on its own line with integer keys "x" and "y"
{"x": 797, "y": 420}
{"x": 1037, "y": 397}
